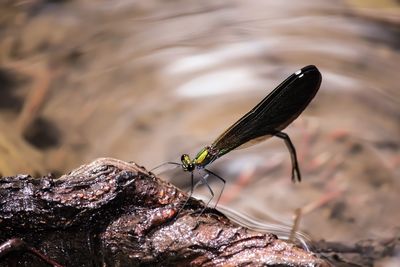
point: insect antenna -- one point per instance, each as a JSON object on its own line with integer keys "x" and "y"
{"x": 164, "y": 164}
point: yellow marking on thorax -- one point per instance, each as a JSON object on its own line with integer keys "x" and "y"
{"x": 201, "y": 156}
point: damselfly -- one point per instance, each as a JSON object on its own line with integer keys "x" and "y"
{"x": 273, "y": 114}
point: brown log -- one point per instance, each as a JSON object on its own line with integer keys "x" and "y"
{"x": 114, "y": 213}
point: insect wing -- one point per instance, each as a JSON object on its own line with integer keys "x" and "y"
{"x": 276, "y": 111}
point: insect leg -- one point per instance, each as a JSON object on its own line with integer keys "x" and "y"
{"x": 193, "y": 187}
{"x": 293, "y": 155}
{"x": 203, "y": 179}
{"x": 191, "y": 192}
{"x": 17, "y": 244}
{"x": 223, "y": 186}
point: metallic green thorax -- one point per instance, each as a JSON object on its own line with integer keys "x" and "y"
{"x": 203, "y": 158}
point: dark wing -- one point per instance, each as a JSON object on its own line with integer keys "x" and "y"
{"x": 276, "y": 111}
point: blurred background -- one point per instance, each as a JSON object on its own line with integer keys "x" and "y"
{"x": 146, "y": 81}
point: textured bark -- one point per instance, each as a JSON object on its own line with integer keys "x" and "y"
{"x": 113, "y": 213}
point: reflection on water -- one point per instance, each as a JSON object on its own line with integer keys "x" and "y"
{"x": 150, "y": 80}
{"x": 282, "y": 229}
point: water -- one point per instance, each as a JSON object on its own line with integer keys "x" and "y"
{"x": 283, "y": 229}
{"x": 150, "y": 80}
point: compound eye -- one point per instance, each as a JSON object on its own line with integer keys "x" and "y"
{"x": 183, "y": 157}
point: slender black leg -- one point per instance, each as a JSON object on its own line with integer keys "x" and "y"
{"x": 203, "y": 179}
{"x": 17, "y": 244}
{"x": 223, "y": 186}
{"x": 293, "y": 155}
{"x": 193, "y": 186}
{"x": 165, "y": 163}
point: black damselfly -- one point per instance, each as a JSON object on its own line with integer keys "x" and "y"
{"x": 273, "y": 114}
